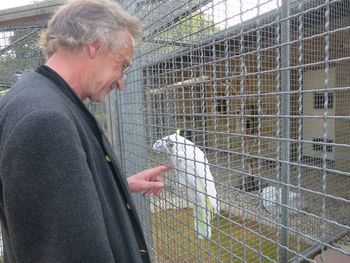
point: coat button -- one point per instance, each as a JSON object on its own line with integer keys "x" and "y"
{"x": 108, "y": 159}
{"x": 143, "y": 252}
{"x": 128, "y": 206}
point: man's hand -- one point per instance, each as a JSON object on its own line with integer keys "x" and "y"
{"x": 148, "y": 181}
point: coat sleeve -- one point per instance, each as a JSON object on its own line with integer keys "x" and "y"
{"x": 51, "y": 206}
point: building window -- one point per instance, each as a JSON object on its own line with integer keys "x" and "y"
{"x": 320, "y": 99}
{"x": 221, "y": 106}
{"x": 252, "y": 121}
{"x": 319, "y": 144}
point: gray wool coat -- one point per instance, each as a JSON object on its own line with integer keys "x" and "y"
{"x": 63, "y": 196}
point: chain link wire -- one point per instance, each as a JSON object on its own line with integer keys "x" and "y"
{"x": 262, "y": 87}
{"x": 263, "y": 93}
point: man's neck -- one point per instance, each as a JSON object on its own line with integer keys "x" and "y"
{"x": 69, "y": 66}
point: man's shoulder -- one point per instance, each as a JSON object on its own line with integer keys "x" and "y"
{"x": 34, "y": 86}
{"x": 32, "y": 96}
{"x": 31, "y": 93}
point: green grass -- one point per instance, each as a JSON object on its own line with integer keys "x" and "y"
{"x": 233, "y": 239}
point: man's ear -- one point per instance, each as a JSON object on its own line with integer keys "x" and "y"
{"x": 93, "y": 48}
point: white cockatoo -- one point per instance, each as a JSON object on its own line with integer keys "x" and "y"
{"x": 272, "y": 199}
{"x": 192, "y": 168}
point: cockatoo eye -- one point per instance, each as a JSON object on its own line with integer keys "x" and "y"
{"x": 160, "y": 145}
{"x": 169, "y": 144}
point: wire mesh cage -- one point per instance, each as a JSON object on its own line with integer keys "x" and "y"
{"x": 254, "y": 96}
{"x": 262, "y": 89}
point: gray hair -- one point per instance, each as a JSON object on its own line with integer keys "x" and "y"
{"x": 81, "y": 22}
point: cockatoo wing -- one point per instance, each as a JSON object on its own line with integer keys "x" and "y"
{"x": 202, "y": 222}
{"x": 202, "y": 187}
{"x": 203, "y": 211}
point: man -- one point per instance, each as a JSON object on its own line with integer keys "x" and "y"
{"x": 63, "y": 195}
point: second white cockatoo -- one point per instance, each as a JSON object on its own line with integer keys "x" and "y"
{"x": 192, "y": 168}
{"x": 272, "y": 200}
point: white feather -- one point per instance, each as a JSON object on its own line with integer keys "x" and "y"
{"x": 271, "y": 196}
{"x": 193, "y": 170}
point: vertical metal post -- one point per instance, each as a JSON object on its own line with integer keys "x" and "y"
{"x": 134, "y": 107}
{"x": 112, "y": 123}
{"x": 138, "y": 121}
{"x": 285, "y": 126}
{"x": 149, "y": 101}
{"x": 119, "y": 130}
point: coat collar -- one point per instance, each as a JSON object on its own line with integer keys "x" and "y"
{"x": 64, "y": 87}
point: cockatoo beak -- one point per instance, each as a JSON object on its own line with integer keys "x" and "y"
{"x": 159, "y": 151}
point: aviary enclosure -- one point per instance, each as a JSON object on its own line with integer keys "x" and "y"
{"x": 263, "y": 89}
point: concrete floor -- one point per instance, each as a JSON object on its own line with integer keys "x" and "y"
{"x": 332, "y": 256}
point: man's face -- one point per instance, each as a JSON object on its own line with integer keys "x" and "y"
{"x": 109, "y": 70}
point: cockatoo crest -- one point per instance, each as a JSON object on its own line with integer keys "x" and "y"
{"x": 166, "y": 145}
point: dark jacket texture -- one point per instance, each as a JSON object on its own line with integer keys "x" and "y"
{"x": 63, "y": 196}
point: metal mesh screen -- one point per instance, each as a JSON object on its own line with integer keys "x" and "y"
{"x": 262, "y": 88}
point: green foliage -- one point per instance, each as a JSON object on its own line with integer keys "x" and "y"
{"x": 6, "y": 63}
{"x": 190, "y": 28}
{"x": 186, "y": 30}
{"x": 24, "y": 53}
{"x": 26, "y": 47}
